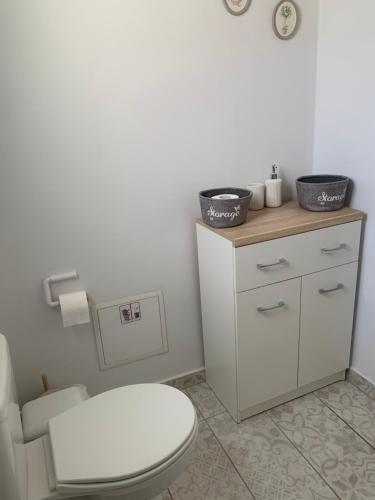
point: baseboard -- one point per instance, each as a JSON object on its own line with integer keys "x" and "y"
{"x": 361, "y": 382}
{"x": 185, "y": 380}
{"x": 296, "y": 393}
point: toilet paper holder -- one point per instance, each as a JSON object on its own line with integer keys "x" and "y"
{"x": 56, "y": 278}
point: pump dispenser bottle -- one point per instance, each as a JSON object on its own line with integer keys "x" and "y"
{"x": 274, "y": 189}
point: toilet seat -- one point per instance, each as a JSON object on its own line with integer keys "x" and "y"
{"x": 138, "y": 431}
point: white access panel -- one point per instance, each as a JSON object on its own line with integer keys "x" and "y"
{"x": 130, "y": 329}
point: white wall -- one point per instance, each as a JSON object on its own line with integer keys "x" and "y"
{"x": 345, "y": 134}
{"x": 114, "y": 114}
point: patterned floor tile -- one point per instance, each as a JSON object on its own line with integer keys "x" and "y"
{"x": 353, "y": 406}
{"x": 199, "y": 414}
{"x": 362, "y": 384}
{"x": 188, "y": 380}
{"x": 270, "y": 465}
{"x": 345, "y": 461}
{"x": 205, "y": 400}
{"x": 211, "y": 475}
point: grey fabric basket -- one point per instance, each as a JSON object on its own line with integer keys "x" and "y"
{"x": 322, "y": 193}
{"x": 224, "y": 213}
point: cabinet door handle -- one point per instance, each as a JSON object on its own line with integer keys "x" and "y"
{"x": 261, "y": 309}
{"x": 335, "y": 249}
{"x": 265, "y": 266}
{"x": 339, "y": 286}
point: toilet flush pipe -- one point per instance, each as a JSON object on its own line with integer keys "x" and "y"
{"x": 56, "y": 278}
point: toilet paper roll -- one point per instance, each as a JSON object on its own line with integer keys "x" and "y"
{"x": 74, "y": 308}
{"x": 225, "y": 196}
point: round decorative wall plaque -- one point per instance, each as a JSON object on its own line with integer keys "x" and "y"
{"x": 286, "y": 19}
{"x": 237, "y": 7}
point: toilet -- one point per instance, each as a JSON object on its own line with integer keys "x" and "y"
{"x": 127, "y": 443}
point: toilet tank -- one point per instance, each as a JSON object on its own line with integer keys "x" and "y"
{"x": 10, "y": 429}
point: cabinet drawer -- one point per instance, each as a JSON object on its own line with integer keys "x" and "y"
{"x": 266, "y": 263}
{"x": 285, "y": 258}
{"x": 330, "y": 247}
{"x": 327, "y": 307}
{"x": 268, "y": 333}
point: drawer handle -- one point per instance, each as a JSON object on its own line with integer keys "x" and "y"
{"x": 265, "y": 266}
{"x": 335, "y": 249}
{"x": 322, "y": 291}
{"x": 271, "y": 308}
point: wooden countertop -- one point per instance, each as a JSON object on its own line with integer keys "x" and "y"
{"x": 290, "y": 218}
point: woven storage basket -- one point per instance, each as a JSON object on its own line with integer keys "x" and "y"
{"x": 322, "y": 193}
{"x": 224, "y": 213}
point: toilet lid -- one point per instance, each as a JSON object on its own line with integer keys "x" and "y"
{"x": 120, "y": 433}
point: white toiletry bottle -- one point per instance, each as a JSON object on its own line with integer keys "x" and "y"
{"x": 274, "y": 190}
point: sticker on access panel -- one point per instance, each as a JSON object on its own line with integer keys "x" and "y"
{"x": 130, "y": 312}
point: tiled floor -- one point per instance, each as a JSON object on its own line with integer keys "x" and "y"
{"x": 318, "y": 447}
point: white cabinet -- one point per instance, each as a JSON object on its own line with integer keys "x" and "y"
{"x": 278, "y": 314}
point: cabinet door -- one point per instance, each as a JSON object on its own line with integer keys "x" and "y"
{"x": 268, "y": 334}
{"x": 327, "y": 307}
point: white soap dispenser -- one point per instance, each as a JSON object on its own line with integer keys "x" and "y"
{"x": 274, "y": 189}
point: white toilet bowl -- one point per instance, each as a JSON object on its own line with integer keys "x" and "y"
{"x": 128, "y": 443}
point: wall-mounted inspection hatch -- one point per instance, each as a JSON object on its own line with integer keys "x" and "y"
{"x": 130, "y": 329}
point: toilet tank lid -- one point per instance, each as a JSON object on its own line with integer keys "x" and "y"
{"x": 37, "y": 413}
{"x": 120, "y": 433}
